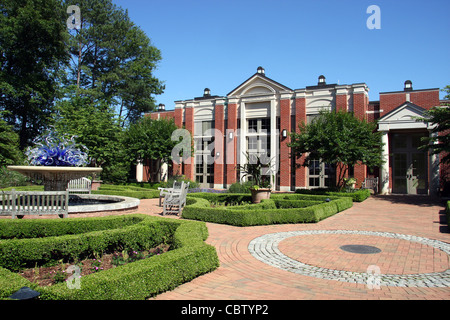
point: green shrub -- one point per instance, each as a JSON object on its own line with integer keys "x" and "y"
{"x": 25, "y": 188}
{"x": 249, "y": 215}
{"x": 239, "y": 187}
{"x": 284, "y": 204}
{"x": 447, "y": 211}
{"x": 170, "y": 181}
{"x": 10, "y": 178}
{"x": 127, "y": 191}
{"x": 142, "y": 279}
{"x": 16, "y": 254}
{"x": 37, "y": 228}
{"x": 225, "y": 198}
{"x": 357, "y": 196}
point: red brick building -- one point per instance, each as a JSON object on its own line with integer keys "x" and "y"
{"x": 256, "y": 116}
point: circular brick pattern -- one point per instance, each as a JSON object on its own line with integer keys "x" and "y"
{"x": 268, "y": 249}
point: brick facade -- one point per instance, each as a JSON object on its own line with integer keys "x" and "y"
{"x": 285, "y": 161}
{"x": 256, "y": 98}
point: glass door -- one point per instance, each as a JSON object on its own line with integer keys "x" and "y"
{"x": 204, "y": 163}
{"x": 321, "y": 175}
{"x": 410, "y": 167}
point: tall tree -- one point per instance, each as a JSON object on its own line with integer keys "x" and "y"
{"x": 95, "y": 127}
{"x": 338, "y": 138}
{"x": 9, "y": 146}
{"x": 113, "y": 59}
{"x": 151, "y": 139}
{"x": 32, "y": 49}
{"x": 439, "y": 141}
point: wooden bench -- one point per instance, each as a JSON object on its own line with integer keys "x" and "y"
{"x": 20, "y": 203}
{"x": 175, "y": 201}
{"x": 80, "y": 185}
{"x": 370, "y": 183}
{"x": 163, "y": 192}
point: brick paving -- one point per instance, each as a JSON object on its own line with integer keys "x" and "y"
{"x": 242, "y": 276}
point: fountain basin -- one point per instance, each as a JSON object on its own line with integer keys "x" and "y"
{"x": 98, "y": 203}
{"x": 55, "y": 178}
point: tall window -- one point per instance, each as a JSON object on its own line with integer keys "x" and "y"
{"x": 258, "y": 136}
{"x": 204, "y": 153}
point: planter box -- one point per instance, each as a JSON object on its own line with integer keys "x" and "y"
{"x": 260, "y": 194}
{"x": 96, "y": 184}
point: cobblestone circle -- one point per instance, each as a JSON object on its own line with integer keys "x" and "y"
{"x": 265, "y": 249}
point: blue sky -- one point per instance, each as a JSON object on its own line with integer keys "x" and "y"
{"x": 220, "y": 43}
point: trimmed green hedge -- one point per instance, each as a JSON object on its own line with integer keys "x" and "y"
{"x": 226, "y": 198}
{"x": 357, "y": 196}
{"x": 37, "y": 228}
{"x": 127, "y": 191}
{"x": 198, "y": 208}
{"x": 190, "y": 257}
{"x": 107, "y": 189}
{"x": 16, "y": 254}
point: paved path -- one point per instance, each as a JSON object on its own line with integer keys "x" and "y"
{"x": 243, "y": 275}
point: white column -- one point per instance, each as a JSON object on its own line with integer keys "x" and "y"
{"x": 384, "y": 170}
{"x": 139, "y": 171}
{"x": 241, "y": 148}
{"x": 164, "y": 172}
{"x": 434, "y": 170}
{"x": 273, "y": 139}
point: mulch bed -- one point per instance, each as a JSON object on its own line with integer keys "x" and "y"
{"x": 47, "y": 276}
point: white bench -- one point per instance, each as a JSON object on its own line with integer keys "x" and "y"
{"x": 370, "y": 183}
{"x": 163, "y": 192}
{"x": 19, "y": 203}
{"x": 175, "y": 201}
{"x": 80, "y": 185}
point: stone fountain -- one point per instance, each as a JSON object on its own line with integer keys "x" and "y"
{"x": 55, "y": 161}
{"x": 55, "y": 178}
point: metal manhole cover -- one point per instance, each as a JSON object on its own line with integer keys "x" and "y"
{"x": 361, "y": 249}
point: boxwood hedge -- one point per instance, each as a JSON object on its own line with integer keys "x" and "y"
{"x": 189, "y": 258}
{"x": 357, "y": 196}
{"x": 281, "y": 208}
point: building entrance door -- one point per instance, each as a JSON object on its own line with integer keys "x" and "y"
{"x": 410, "y": 167}
{"x": 321, "y": 174}
{"x": 204, "y": 166}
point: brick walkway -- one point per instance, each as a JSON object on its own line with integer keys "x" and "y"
{"x": 242, "y": 276}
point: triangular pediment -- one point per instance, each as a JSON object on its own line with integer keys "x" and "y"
{"x": 404, "y": 112}
{"x": 403, "y": 117}
{"x": 258, "y": 85}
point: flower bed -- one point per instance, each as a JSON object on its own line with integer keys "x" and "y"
{"x": 281, "y": 208}
{"x": 47, "y": 276}
{"x": 189, "y": 257}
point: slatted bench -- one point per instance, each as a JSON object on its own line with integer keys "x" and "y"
{"x": 19, "y": 203}
{"x": 370, "y": 183}
{"x": 80, "y": 185}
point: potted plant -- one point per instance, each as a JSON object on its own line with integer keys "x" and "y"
{"x": 260, "y": 173}
{"x": 350, "y": 183}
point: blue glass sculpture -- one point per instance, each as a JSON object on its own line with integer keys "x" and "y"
{"x": 50, "y": 150}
